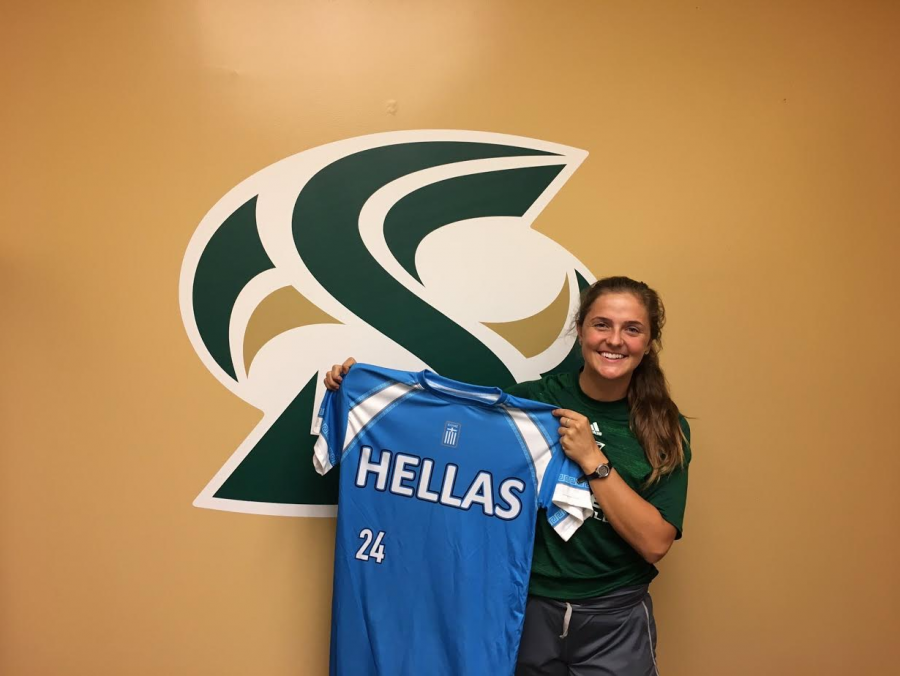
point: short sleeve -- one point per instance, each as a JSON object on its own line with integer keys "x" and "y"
{"x": 568, "y": 502}
{"x": 669, "y": 494}
{"x": 331, "y": 425}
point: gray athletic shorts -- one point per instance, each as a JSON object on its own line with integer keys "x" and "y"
{"x": 610, "y": 635}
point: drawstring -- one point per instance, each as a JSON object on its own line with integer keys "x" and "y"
{"x": 566, "y": 620}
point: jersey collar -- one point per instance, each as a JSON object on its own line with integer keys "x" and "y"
{"x": 456, "y": 391}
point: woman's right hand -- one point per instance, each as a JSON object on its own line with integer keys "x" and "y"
{"x": 334, "y": 377}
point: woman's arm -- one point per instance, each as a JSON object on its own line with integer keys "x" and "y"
{"x": 637, "y": 521}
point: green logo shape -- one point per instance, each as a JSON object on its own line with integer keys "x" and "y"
{"x": 377, "y": 234}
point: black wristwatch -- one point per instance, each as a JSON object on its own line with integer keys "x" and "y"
{"x": 601, "y": 472}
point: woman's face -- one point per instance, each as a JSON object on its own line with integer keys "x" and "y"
{"x": 615, "y": 336}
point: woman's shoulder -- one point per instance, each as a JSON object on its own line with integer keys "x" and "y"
{"x": 546, "y": 388}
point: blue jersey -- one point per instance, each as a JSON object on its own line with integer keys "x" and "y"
{"x": 440, "y": 488}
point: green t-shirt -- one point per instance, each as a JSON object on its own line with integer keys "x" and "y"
{"x": 596, "y": 561}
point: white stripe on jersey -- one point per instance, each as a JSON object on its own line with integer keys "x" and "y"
{"x": 363, "y": 413}
{"x": 534, "y": 441}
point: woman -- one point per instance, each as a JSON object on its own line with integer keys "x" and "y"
{"x": 589, "y": 611}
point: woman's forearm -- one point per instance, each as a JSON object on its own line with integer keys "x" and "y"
{"x": 637, "y": 521}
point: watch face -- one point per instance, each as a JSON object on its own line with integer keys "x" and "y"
{"x": 601, "y": 472}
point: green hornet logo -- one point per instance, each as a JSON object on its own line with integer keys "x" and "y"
{"x": 410, "y": 249}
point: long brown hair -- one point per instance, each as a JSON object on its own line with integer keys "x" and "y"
{"x": 654, "y": 416}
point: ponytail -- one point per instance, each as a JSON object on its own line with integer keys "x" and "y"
{"x": 655, "y": 418}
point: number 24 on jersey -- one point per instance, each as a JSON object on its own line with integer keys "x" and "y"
{"x": 371, "y": 548}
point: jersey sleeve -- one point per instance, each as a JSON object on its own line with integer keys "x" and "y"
{"x": 669, "y": 494}
{"x": 363, "y": 383}
{"x": 568, "y": 503}
{"x": 331, "y": 426}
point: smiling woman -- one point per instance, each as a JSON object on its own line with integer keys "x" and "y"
{"x": 589, "y": 610}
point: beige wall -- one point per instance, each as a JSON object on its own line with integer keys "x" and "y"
{"x": 743, "y": 160}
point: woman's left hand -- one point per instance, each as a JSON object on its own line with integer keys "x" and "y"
{"x": 577, "y": 440}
